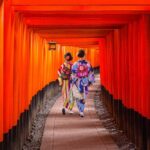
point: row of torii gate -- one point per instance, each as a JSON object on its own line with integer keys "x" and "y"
{"x": 115, "y": 36}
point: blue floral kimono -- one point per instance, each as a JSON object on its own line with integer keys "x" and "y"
{"x": 82, "y": 76}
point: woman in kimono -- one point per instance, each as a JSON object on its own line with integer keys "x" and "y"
{"x": 82, "y": 77}
{"x": 64, "y": 74}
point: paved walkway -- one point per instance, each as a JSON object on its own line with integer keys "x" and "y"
{"x": 71, "y": 132}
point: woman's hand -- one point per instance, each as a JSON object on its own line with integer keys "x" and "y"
{"x": 60, "y": 81}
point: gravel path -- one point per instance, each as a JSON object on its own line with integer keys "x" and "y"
{"x": 33, "y": 142}
{"x": 118, "y": 135}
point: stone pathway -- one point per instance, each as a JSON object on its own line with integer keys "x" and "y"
{"x": 71, "y": 132}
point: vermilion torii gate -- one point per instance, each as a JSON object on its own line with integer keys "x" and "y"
{"x": 114, "y": 34}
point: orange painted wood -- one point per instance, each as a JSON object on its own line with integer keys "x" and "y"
{"x": 8, "y": 67}
{"x": 125, "y": 62}
{"x": 1, "y": 68}
{"x": 81, "y": 2}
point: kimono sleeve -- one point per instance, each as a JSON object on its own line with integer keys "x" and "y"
{"x": 91, "y": 75}
{"x": 74, "y": 68}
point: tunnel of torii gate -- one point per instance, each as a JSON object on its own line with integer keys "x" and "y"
{"x": 116, "y": 37}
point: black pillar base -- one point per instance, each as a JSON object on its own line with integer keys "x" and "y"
{"x": 136, "y": 127}
{"x": 15, "y": 138}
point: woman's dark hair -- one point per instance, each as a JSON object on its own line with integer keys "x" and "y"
{"x": 68, "y": 54}
{"x": 81, "y": 53}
